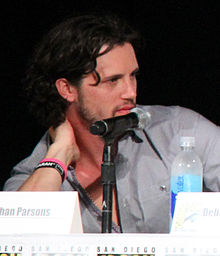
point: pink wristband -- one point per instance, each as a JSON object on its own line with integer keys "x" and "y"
{"x": 57, "y": 161}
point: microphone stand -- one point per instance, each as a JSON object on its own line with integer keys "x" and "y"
{"x": 111, "y": 129}
{"x": 108, "y": 181}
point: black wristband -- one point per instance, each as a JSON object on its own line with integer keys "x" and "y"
{"x": 52, "y": 165}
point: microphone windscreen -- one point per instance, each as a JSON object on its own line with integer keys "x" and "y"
{"x": 144, "y": 118}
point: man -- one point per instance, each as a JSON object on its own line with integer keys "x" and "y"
{"x": 85, "y": 70}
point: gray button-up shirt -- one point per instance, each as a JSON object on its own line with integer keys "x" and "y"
{"x": 143, "y": 166}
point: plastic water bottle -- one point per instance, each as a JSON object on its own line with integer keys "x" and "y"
{"x": 186, "y": 171}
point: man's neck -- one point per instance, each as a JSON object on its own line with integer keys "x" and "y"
{"x": 88, "y": 168}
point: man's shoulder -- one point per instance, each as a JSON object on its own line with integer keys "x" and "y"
{"x": 25, "y": 168}
{"x": 37, "y": 154}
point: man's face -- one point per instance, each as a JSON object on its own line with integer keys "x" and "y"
{"x": 116, "y": 93}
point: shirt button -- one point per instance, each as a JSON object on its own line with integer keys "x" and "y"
{"x": 163, "y": 188}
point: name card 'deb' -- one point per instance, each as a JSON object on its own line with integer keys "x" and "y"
{"x": 197, "y": 213}
{"x": 40, "y": 212}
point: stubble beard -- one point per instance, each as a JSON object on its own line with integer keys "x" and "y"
{"x": 87, "y": 116}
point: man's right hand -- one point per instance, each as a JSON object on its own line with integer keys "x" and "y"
{"x": 64, "y": 146}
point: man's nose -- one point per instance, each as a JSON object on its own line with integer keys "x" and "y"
{"x": 130, "y": 89}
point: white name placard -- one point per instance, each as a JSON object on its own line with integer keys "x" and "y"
{"x": 197, "y": 213}
{"x": 40, "y": 212}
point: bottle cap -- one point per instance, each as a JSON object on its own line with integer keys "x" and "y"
{"x": 187, "y": 141}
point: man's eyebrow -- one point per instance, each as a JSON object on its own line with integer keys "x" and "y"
{"x": 117, "y": 76}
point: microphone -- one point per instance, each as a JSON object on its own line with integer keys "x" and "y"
{"x": 137, "y": 118}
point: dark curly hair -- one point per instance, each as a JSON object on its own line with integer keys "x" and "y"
{"x": 70, "y": 51}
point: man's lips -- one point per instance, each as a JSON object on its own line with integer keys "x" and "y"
{"x": 125, "y": 110}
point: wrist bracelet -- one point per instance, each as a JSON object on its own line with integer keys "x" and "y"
{"x": 56, "y": 164}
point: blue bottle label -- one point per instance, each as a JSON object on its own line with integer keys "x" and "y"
{"x": 184, "y": 183}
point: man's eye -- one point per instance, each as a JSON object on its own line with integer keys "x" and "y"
{"x": 114, "y": 80}
{"x": 136, "y": 73}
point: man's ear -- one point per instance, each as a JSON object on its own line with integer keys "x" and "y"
{"x": 66, "y": 90}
